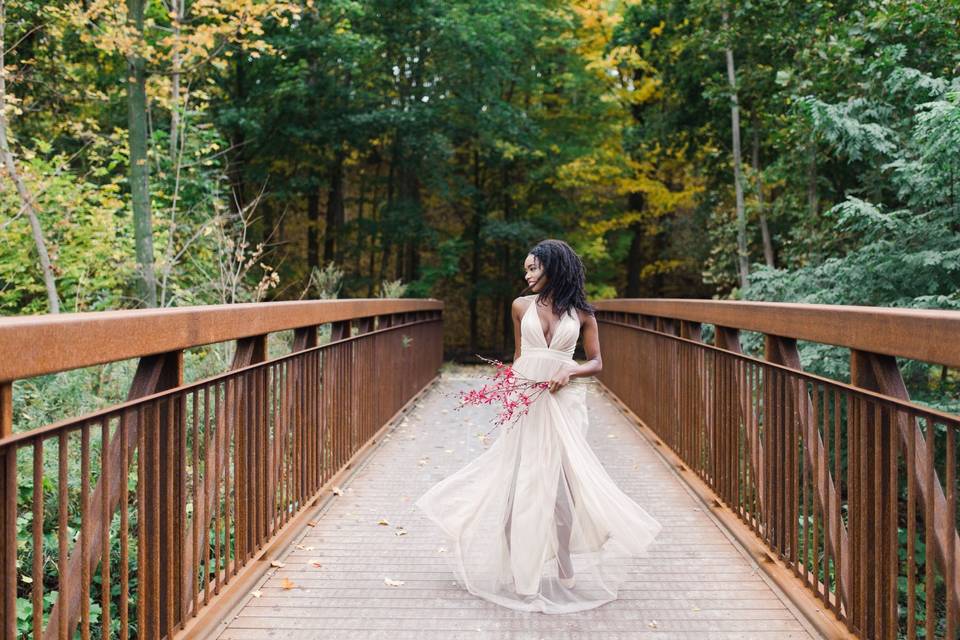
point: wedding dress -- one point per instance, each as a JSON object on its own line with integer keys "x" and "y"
{"x": 535, "y": 523}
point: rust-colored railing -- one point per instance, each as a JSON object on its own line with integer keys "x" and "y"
{"x": 851, "y": 485}
{"x": 143, "y": 516}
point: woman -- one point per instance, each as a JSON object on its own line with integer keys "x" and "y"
{"x": 535, "y": 523}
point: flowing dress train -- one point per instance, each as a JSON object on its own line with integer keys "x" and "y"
{"x": 537, "y": 511}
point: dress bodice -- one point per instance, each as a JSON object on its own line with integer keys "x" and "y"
{"x": 562, "y": 343}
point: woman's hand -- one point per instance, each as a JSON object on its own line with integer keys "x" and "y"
{"x": 559, "y": 380}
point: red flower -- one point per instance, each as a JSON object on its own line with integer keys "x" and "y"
{"x": 513, "y": 391}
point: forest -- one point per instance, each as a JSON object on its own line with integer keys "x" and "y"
{"x": 181, "y": 152}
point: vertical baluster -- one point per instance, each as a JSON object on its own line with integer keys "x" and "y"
{"x": 820, "y": 518}
{"x": 155, "y": 522}
{"x": 168, "y": 559}
{"x": 222, "y": 445}
{"x": 837, "y": 561}
{"x": 951, "y": 560}
{"x": 85, "y": 531}
{"x": 879, "y": 564}
{"x": 143, "y": 597}
{"x": 911, "y": 529}
{"x": 195, "y": 484}
{"x": 863, "y": 514}
{"x": 36, "y": 587}
{"x": 791, "y": 450}
{"x": 210, "y": 480}
{"x": 230, "y": 496}
{"x": 929, "y": 530}
{"x": 893, "y": 537}
{"x": 105, "y": 521}
{"x": 124, "y": 505}
{"x": 63, "y": 549}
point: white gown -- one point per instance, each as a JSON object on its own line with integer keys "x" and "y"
{"x": 538, "y": 505}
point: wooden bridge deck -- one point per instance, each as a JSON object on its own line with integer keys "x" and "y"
{"x": 695, "y": 583}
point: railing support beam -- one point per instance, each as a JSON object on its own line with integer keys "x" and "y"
{"x": 880, "y": 373}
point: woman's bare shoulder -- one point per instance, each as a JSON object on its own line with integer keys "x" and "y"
{"x": 520, "y": 303}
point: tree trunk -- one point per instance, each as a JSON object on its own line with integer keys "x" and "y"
{"x": 176, "y": 7}
{"x": 635, "y": 256}
{"x": 139, "y": 169}
{"x": 332, "y": 247}
{"x": 813, "y": 198}
{"x": 475, "y": 271}
{"x": 26, "y": 200}
{"x": 313, "y": 221}
{"x": 510, "y": 270}
{"x": 742, "y": 257}
{"x": 764, "y": 228}
{"x": 361, "y": 235}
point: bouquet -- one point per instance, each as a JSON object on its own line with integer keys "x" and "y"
{"x": 514, "y": 392}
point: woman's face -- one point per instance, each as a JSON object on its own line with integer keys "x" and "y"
{"x": 533, "y": 273}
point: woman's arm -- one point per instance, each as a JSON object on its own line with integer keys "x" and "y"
{"x": 519, "y": 306}
{"x": 591, "y": 348}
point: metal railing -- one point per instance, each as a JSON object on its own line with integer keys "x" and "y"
{"x": 851, "y": 485}
{"x": 141, "y": 517}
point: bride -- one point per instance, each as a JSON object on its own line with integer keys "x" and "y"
{"x": 535, "y": 523}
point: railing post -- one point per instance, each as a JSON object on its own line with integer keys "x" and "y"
{"x": 339, "y": 330}
{"x": 727, "y": 338}
{"x": 365, "y": 324}
{"x": 691, "y": 331}
{"x": 879, "y": 372}
{"x": 8, "y": 517}
{"x": 304, "y": 338}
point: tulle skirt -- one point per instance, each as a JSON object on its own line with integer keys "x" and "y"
{"x": 535, "y": 523}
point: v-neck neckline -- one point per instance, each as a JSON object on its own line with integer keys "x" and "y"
{"x": 542, "y": 334}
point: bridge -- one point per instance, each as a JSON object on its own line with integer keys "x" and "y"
{"x": 274, "y": 499}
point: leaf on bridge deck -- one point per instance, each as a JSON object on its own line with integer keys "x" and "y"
{"x": 288, "y": 584}
{"x": 392, "y": 583}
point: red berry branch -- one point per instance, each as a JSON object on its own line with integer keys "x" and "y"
{"x": 513, "y": 391}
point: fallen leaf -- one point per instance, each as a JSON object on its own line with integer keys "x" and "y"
{"x": 316, "y": 563}
{"x": 309, "y": 548}
{"x": 257, "y": 593}
{"x": 652, "y": 624}
{"x": 300, "y": 546}
{"x": 277, "y": 564}
{"x": 392, "y": 583}
{"x": 288, "y": 584}
{"x": 442, "y": 550}
{"x": 337, "y": 491}
{"x": 383, "y": 521}
{"x": 400, "y": 532}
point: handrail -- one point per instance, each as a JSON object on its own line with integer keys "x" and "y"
{"x": 831, "y": 477}
{"x": 928, "y": 335}
{"x": 52, "y": 343}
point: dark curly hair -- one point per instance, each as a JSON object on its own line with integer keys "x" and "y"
{"x": 565, "y": 276}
